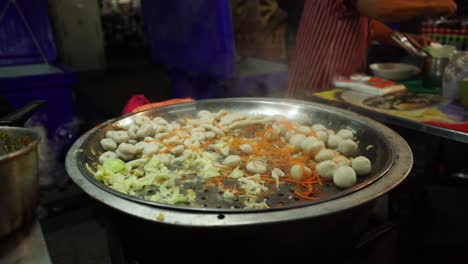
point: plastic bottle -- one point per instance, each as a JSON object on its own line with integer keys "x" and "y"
{"x": 455, "y": 72}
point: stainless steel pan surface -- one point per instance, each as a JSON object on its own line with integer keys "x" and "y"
{"x": 377, "y": 142}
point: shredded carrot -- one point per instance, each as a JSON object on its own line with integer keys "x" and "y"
{"x": 275, "y": 151}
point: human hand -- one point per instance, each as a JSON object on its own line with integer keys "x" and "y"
{"x": 420, "y": 40}
{"x": 443, "y": 7}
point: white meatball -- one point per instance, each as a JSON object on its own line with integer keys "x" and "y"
{"x": 341, "y": 161}
{"x": 151, "y": 148}
{"x": 304, "y": 119}
{"x": 307, "y": 142}
{"x": 232, "y": 160}
{"x": 271, "y": 135}
{"x": 256, "y": 167}
{"x": 219, "y": 131}
{"x": 210, "y": 134}
{"x": 146, "y": 130}
{"x": 165, "y": 158}
{"x": 120, "y": 136}
{"x": 322, "y": 136}
{"x": 160, "y": 121}
{"x": 141, "y": 120}
{"x": 246, "y": 148}
{"x": 204, "y": 114}
{"x": 325, "y": 154}
{"x": 345, "y": 134}
{"x": 205, "y": 127}
{"x": 296, "y": 140}
{"x": 132, "y": 141}
{"x": 148, "y": 139}
{"x": 108, "y": 144}
{"x": 225, "y": 151}
{"x": 279, "y": 128}
{"x": 173, "y": 125}
{"x": 305, "y": 130}
{"x": 158, "y": 128}
{"x": 175, "y": 140}
{"x": 140, "y": 146}
{"x": 344, "y": 177}
{"x": 178, "y": 161}
{"x": 220, "y": 114}
{"x": 199, "y": 136}
{"x": 110, "y": 134}
{"x": 319, "y": 127}
{"x": 132, "y": 131}
{"x": 161, "y": 135}
{"x": 299, "y": 171}
{"x": 177, "y": 150}
{"x": 190, "y": 142}
{"x": 188, "y": 153}
{"x": 127, "y": 149}
{"x": 197, "y": 129}
{"x": 314, "y": 147}
{"x": 326, "y": 169}
{"x": 330, "y": 132}
{"x": 126, "y": 123}
{"x": 348, "y": 147}
{"x": 333, "y": 141}
{"x": 108, "y": 155}
{"x": 124, "y": 156}
{"x": 361, "y": 165}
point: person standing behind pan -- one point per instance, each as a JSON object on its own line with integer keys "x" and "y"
{"x": 334, "y": 35}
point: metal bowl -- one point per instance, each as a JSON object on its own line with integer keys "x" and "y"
{"x": 19, "y": 180}
{"x": 389, "y": 153}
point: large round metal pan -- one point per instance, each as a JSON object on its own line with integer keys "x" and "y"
{"x": 389, "y": 153}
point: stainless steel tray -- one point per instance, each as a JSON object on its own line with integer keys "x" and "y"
{"x": 376, "y": 143}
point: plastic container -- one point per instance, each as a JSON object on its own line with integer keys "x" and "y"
{"x": 455, "y": 72}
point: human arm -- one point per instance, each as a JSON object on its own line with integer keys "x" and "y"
{"x": 383, "y": 34}
{"x": 399, "y": 10}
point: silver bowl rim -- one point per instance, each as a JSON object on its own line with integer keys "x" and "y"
{"x": 24, "y": 150}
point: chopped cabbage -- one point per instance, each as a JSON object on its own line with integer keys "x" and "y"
{"x": 237, "y": 173}
{"x": 114, "y": 165}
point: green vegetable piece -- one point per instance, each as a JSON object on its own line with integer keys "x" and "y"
{"x": 114, "y": 165}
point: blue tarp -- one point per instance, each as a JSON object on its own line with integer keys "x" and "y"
{"x": 25, "y": 32}
{"x": 193, "y": 36}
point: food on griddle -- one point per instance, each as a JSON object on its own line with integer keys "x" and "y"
{"x": 243, "y": 157}
{"x": 402, "y": 101}
{"x": 344, "y": 177}
{"x": 361, "y": 165}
